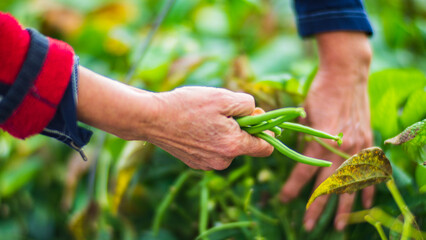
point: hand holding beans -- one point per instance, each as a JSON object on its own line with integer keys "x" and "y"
{"x": 196, "y": 125}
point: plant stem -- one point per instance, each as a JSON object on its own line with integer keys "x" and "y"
{"x": 408, "y": 216}
{"x": 331, "y": 148}
{"x": 377, "y": 225}
{"x": 102, "y": 175}
{"x": 386, "y": 220}
{"x": 247, "y": 199}
{"x": 283, "y": 217}
{"x": 204, "y": 201}
{"x": 161, "y": 210}
{"x": 226, "y": 226}
{"x": 256, "y": 212}
{"x": 146, "y": 43}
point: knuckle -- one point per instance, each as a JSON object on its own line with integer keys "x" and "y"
{"x": 247, "y": 99}
{"x": 267, "y": 149}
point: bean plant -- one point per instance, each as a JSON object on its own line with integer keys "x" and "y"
{"x": 134, "y": 190}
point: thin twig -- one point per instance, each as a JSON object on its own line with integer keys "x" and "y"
{"x": 145, "y": 44}
{"x": 144, "y": 48}
{"x": 408, "y": 216}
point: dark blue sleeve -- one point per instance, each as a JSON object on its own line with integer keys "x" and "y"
{"x": 64, "y": 125}
{"x": 317, "y": 16}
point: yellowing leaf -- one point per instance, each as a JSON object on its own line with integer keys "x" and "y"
{"x": 413, "y": 141}
{"x": 414, "y": 135}
{"x": 368, "y": 167}
{"x": 83, "y": 224}
{"x": 134, "y": 154}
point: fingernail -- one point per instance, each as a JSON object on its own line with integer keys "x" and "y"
{"x": 309, "y": 225}
{"x": 340, "y": 225}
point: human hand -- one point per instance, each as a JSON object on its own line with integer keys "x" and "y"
{"x": 196, "y": 125}
{"x": 337, "y": 102}
{"x": 347, "y": 113}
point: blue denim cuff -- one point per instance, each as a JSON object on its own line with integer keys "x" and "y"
{"x": 317, "y": 16}
{"x": 63, "y": 126}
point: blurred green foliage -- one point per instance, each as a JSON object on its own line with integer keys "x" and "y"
{"x": 249, "y": 45}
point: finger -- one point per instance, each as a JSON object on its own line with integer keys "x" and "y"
{"x": 220, "y": 163}
{"x": 346, "y": 201}
{"x": 237, "y": 104}
{"x": 179, "y": 154}
{"x": 301, "y": 174}
{"x": 254, "y": 146}
{"x": 257, "y": 111}
{"x": 314, "y": 211}
{"x": 367, "y": 196}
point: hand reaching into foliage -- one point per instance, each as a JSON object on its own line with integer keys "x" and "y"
{"x": 194, "y": 124}
{"x": 337, "y": 102}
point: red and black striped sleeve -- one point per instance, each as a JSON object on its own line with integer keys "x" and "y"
{"x": 34, "y": 74}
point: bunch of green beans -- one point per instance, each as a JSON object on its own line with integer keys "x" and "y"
{"x": 276, "y": 121}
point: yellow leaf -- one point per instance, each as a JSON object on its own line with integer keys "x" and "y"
{"x": 368, "y": 167}
{"x": 83, "y": 223}
{"x": 134, "y": 154}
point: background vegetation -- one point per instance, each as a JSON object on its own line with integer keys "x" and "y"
{"x": 48, "y": 192}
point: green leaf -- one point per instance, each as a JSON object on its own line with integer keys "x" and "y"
{"x": 414, "y": 109}
{"x": 11, "y": 180}
{"x": 388, "y": 91}
{"x": 368, "y": 167}
{"x": 421, "y": 178}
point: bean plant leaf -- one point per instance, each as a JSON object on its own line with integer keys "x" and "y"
{"x": 368, "y": 167}
{"x": 413, "y": 140}
{"x": 414, "y": 135}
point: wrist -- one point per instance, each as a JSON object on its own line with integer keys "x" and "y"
{"x": 345, "y": 57}
{"x": 145, "y": 116}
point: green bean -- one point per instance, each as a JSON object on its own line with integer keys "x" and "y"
{"x": 276, "y": 130}
{"x": 204, "y": 211}
{"x": 252, "y": 120}
{"x": 311, "y": 131}
{"x": 290, "y": 153}
{"x": 267, "y": 126}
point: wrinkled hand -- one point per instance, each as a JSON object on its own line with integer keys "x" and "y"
{"x": 333, "y": 109}
{"x": 196, "y": 125}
